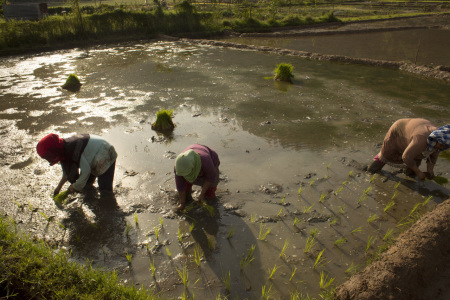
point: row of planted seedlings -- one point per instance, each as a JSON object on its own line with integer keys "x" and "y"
{"x": 316, "y": 238}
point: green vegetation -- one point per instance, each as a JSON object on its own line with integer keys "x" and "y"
{"x": 72, "y": 83}
{"x": 283, "y": 72}
{"x": 60, "y": 198}
{"x": 34, "y": 270}
{"x": 163, "y": 121}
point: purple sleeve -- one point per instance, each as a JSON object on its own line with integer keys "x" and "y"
{"x": 180, "y": 182}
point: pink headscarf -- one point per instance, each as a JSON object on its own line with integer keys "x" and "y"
{"x": 51, "y": 148}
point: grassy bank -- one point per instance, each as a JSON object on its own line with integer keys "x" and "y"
{"x": 32, "y": 270}
{"x": 79, "y": 24}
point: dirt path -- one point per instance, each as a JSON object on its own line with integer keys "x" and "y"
{"x": 415, "y": 267}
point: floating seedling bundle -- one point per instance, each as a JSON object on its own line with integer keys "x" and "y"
{"x": 283, "y": 72}
{"x": 72, "y": 84}
{"x": 163, "y": 121}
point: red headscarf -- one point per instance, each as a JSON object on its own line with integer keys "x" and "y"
{"x": 51, "y": 148}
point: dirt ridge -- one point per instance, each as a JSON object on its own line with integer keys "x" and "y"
{"x": 415, "y": 267}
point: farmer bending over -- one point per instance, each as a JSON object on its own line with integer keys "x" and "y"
{"x": 408, "y": 142}
{"x": 197, "y": 165}
{"x": 83, "y": 158}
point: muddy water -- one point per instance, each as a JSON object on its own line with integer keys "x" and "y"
{"x": 420, "y": 46}
{"x": 272, "y": 139}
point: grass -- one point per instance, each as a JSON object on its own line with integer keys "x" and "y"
{"x": 247, "y": 259}
{"x": 136, "y": 221}
{"x": 197, "y": 255}
{"x": 153, "y": 268}
{"x": 359, "y": 229}
{"x": 129, "y": 256}
{"x": 372, "y": 218}
{"x": 324, "y": 281}
{"x": 35, "y": 270}
{"x": 184, "y": 275}
{"x": 296, "y": 221}
{"x": 265, "y": 293}
{"x": 293, "y": 271}
{"x": 307, "y": 209}
{"x": 389, "y": 205}
{"x": 310, "y": 242}
{"x": 370, "y": 242}
{"x": 320, "y": 261}
{"x": 340, "y": 241}
{"x": 352, "y": 269}
{"x": 169, "y": 254}
{"x": 226, "y": 280}
{"x": 272, "y": 272}
{"x": 180, "y": 236}
{"x": 230, "y": 233}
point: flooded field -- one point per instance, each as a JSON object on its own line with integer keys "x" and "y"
{"x": 295, "y": 211}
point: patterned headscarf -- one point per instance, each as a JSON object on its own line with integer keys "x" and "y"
{"x": 51, "y": 148}
{"x": 441, "y": 136}
{"x": 188, "y": 165}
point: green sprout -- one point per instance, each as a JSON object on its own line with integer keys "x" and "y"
{"x": 129, "y": 256}
{"x": 339, "y": 190}
{"x": 397, "y": 185}
{"x": 230, "y": 233}
{"x": 128, "y": 229}
{"x": 191, "y": 226}
{"x": 389, "y": 205}
{"x": 342, "y": 209}
{"x": 334, "y": 221}
{"x": 359, "y": 229}
{"x": 282, "y": 199}
{"x": 197, "y": 255}
{"x": 157, "y": 232}
{"x": 262, "y": 235}
{"x": 307, "y": 209}
{"x": 324, "y": 282}
{"x": 252, "y": 218}
{"x": 296, "y": 221}
{"x": 388, "y": 234}
{"x": 300, "y": 191}
{"x": 180, "y": 235}
{"x": 136, "y": 221}
{"x": 279, "y": 213}
{"x": 184, "y": 275}
{"x": 373, "y": 178}
{"x": 210, "y": 243}
{"x": 153, "y": 268}
{"x": 161, "y": 222}
{"x": 352, "y": 269}
{"x": 286, "y": 244}
{"x": 314, "y": 232}
{"x": 350, "y": 173}
{"x": 370, "y": 242}
{"x": 367, "y": 190}
{"x": 226, "y": 279}
{"x": 272, "y": 272}
{"x": 310, "y": 242}
{"x": 340, "y": 241}
{"x": 265, "y": 294}
{"x": 395, "y": 195}
{"x": 163, "y": 121}
{"x": 320, "y": 261}
{"x": 322, "y": 197}
{"x": 293, "y": 273}
{"x": 311, "y": 182}
{"x": 283, "y": 72}
{"x": 362, "y": 198}
{"x": 169, "y": 254}
{"x": 246, "y": 260}
{"x": 372, "y": 218}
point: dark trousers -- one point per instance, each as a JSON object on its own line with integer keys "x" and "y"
{"x": 105, "y": 181}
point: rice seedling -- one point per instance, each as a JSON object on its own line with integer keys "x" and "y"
{"x": 324, "y": 282}
{"x": 310, "y": 242}
{"x": 367, "y": 190}
{"x": 320, "y": 261}
{"x": 180, "y": 235}
{"x": 128, "y": 230}
{"x": 334, "y": 221}
{"x": 191, "y": 226}
{"x": 253, "y": 218}
{"x": 62, "y": 226}
{"x": 45, "y": 216}
{"x": 322, "y": 197}
{"x": 157, "y": 232}
{"x": 300, "y": 191}
{"x": 230, "y": 233}
{"x": 362, "y": 198}
{"x": 340, "y": 241}
{"x": 372, "y": 239}
{"x": 210, "y": 243}
{"x": 350, "y": 174}
{"x": 129, "y": 256}
{"x": 226, "y": 280}
{"x": 311, "y": 182}
{"x": 352, "y": 269}
{"x": 169, "y": 254}
{"x": 424, "y": 203}
{"x": 282, "y": 199}
{"x": 293, "y": 271}
{"x": 342, "y": 209}
{"x": 266, "y": 294}
{"x": 247, "y": 259}
{"x": 209, "y": 208}
{"x": 344, "y": 183}
{"x": 272, "y": 272}
{"x": 373, "y": 178}
{"x": 153, "y": 268}
{"x": 394, "y": 195}
{"x": 197, "y": 255}
{"x": 20, "y": 206}
{"x": 388, "y": 235}
{"x": 397, "y": 185}
{"x": 314, "y": 232}
{"x": 161, "y": 222}
{"x": 389, "y": 205}
{"x": 372, "y": 218}
{"x": 280, "y": 212}
{"x": 286, "y": 244}
{"x": 339, "y": 190}
{"x": 136, "y": 221}
{"x": 262, "y": 235}
{"x": 359, "y": 229}
{"x": 184, "y": 275}
{"x": 307, "y": 209}
{"x": 31, "y": 208}
{"x": 296, "y": 221}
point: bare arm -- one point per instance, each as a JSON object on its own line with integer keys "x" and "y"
{"x": 60, "y": 185}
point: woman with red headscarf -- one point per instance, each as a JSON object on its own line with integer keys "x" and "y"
{"x": 83, "y": 158}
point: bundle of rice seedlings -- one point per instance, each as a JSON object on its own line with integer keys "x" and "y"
{"x": 283, "y": 72}
{"x": 163, "y": 121}
{"x": 61, "y": 198}
{"x": 72, "y": 84}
